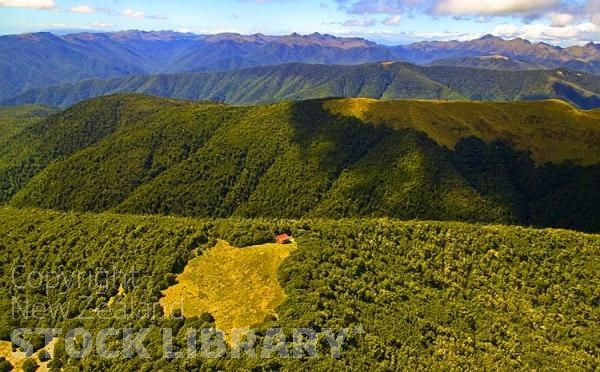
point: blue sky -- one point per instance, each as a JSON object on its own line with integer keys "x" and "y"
{"x": 385, "y": 21}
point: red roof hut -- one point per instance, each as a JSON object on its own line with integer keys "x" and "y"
{"x": 283, "y": 238}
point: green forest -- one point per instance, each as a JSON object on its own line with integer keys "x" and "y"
{"x": 296, "y": 81}
{"x": 511, "y": 163}
{"x": 456, "y": 235}
{"x": 429, "y": 295}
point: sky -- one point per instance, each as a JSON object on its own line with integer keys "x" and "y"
{"x": 388, "y": 22}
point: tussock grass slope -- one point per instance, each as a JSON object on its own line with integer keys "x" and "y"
{"x": 552, "y": 130}
{"x": 237, "y": 286}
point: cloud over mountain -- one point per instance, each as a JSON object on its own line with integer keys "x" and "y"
{"x": 361, "y": 22}
{"x": 492, "y": 7}
{"x": 35, "y": 4}
{"x": 553, "y": 21}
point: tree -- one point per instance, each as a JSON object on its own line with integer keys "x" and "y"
{"x": 30, "y": 365}
{"x": 5, "y": 365}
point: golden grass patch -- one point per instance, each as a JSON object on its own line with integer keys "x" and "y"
{"x": 238, "y": 286}
{"x": 17, "y": 359}
{"x": 552, "y": 130}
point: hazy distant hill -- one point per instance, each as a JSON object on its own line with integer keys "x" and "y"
{"x": 301, "y": 81}
{"x": 469, "y": 161}
{"x": 585, "y": 58}
{"x": 43, "y": 59}
{"x": 494, "y": 62}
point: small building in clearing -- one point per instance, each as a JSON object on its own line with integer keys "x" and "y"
{"x": 283, "y": 238}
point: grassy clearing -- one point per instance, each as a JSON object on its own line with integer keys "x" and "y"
{"x": 238, "y": 286}
{"x": 17, "y": 360}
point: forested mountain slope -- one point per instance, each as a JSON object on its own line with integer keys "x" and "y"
{"x": 385, "y": 80}
{"x": 43, "y": 59}
{"x": 336, "y": 158}
{"x": 40, "y": 60}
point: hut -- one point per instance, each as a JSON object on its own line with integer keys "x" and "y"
{"x": 283, "y": 238}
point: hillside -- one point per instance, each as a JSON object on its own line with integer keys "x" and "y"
{"x": 493, "y": 62}
{"x": 490, "y": 162}
{"x": 39, "y": 60}
{"x": 425, "y": 294}
{"x": 43, "y": 59}
{"x": 385, "y": 80}
{"x": 15, "y": 119}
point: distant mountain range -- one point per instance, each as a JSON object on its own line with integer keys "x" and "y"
{"x": 290, "y": 82}
{"x": 40, "y": 60}
{"x": 542, "y": 55}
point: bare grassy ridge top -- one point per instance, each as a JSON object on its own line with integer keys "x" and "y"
{"x": 237, "y": 286}
{"x": 552, "y": 130}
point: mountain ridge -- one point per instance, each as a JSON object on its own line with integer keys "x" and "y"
{"x": 386, "y": 80}
{"x": 469, "y": 161}
{"x": 43, "y": 59}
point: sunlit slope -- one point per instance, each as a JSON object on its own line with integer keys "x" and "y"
{"x": 14, "y": 120}
{"x": 336, "y": 158}
{"x": 551, "y": 130}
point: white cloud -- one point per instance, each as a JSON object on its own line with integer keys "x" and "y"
{"x": 507, "y": 30}
{"x": 561, "y": 19}
{"x": 372, "y": 6}
{"x": 101, "y": 25}
{"x": 492, "y": 7}
{"x": 206, "y": 31}
{"x": 134, "y": 13}
{"x": 361, "y": 22}
{"x": 35, "y": 4}
{"x": 157, "y": 16}
{"x": 592, "y": 11}
{"x": 83, "y": 9}
{"x": 441, "y": 36}
{"x": 392, "y": 20}
{"x": 70, "y": 28}
{"x": 565, "y": 34}
{"x": 391, "y": 37}
{"x": 131, "y": 13}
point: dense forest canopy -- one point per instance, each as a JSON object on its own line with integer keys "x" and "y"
{"x": 530, "y": 163}
{"x": 400, "y": 211}
{"x": 439, "y": 295}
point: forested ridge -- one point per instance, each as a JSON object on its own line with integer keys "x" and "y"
{"x": 295, "y": 81}
{"x": 42, "y": 59}
{"x": 530, "y": 163}
{"x": 440, "y": 295}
